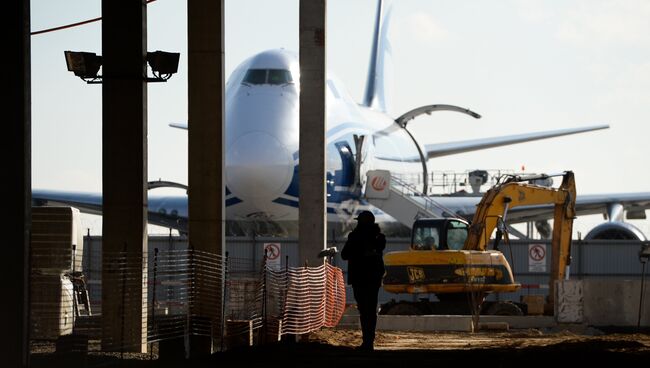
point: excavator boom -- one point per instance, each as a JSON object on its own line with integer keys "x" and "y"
{"x": 492, "y": 213}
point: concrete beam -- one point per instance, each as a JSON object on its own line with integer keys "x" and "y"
{"x": 16, "y": 152}
{"x": 206, "y": 159}
{"x": 313, "y": 201}
{"x": 124, "y": 175}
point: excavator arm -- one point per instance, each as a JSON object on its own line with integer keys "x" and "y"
{"x": 493, "y": 209}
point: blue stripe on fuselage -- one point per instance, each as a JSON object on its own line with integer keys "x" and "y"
{"x": 232, "y": 201}
{"x": 294, "y": 204}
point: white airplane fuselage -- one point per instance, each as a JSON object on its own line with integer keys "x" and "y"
{"x": 262, "y": 130}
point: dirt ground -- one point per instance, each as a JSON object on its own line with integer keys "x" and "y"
{"x": 527, "y": 348}
{"x": 335, "y": 348}
{"x": 516, "y": 339}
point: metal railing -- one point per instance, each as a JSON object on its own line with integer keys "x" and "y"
{"x": 428, "y": 204}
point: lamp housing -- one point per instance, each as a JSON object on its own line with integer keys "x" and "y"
{"x": 83, "y": 64}
{"x": 162, "y": 63}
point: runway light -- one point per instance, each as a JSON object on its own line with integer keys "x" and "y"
{"x": 163, "y": 65}
{"x": 84, "y": 65}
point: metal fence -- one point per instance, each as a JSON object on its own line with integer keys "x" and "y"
{"x": 604, "y": 259}
{"x": 175, "y": 300}
{"x": 260, "y": 299}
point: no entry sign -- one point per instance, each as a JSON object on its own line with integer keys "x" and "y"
{"x": 272, "y": 251}
{"x": 536, "y": 257}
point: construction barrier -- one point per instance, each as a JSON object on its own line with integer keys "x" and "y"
{"x": 181, "y": 299}
{"x": 315, "y": 298}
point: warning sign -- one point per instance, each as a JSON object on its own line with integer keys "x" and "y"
{"x": 272, "y": 252}
{"x": 536, "y": 257}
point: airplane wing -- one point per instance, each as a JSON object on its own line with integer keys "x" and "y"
{"x": 178, "y": 125}
{"x": 85, "y": 202}
{"x": 167, "y": 211}
{"x": 585, "y": 205}
{"x": 451, "y": 148}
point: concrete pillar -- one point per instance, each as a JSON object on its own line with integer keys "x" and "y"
{"x": 206, "y": 161}
{"x": 124, "y": 175}
{"x": 313, "y": 200}
{"x": 16, "y": 154}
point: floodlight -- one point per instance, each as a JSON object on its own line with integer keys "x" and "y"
{"x": 163, "y": 65}
{"x": 84, "y": 65}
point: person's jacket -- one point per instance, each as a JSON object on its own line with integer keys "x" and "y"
{"x": 364, "y": 252}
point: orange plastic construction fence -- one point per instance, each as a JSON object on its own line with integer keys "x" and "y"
{"x": 314, "y": 297}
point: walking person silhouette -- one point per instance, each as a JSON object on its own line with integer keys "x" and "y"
{"x": 364, "y": 252}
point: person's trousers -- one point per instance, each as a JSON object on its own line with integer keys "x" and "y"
{"x": 366, "y": 297}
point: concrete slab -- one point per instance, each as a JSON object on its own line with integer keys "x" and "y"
{"x": 493, "y": 326}
{"x": 425, "y": 323}
{"x": 448, "y": 322}
{"x": 521, "y": 322}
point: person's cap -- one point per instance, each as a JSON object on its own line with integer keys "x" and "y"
{"x": 366, "y": 217}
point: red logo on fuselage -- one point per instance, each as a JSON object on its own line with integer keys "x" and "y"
{"x": 378, "y": 183}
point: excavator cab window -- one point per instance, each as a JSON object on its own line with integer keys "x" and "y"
{"x": 439, "y": 234}
{"x": 426, "y": 238}
{"x": 456, "y": 234}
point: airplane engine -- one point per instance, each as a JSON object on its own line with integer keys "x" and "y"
{"x": 615, "y": 230}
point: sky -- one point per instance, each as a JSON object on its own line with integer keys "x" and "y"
{"x": 524, "y": 65}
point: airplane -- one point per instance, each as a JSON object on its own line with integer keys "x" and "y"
{"x": 262, "y": 158}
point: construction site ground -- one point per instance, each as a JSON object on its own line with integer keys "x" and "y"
{"x": 336, "y": 348}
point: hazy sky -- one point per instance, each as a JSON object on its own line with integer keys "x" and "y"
{"x": 524, "y": 65}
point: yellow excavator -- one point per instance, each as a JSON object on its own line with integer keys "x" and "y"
{"x": 450, "y": 258}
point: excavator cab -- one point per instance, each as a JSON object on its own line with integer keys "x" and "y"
{"x": 439, "y": 234}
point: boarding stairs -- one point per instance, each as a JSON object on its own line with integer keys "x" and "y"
{"x": 401, "y": 199}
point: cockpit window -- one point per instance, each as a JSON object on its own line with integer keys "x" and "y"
{"x": 268, "y": 76}
{"x": 279, "y": 76}
{"x": 255, "y": 76}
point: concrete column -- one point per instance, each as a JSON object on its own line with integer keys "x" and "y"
{"x": 206, "y": 161}
{"x": 313, "y": 200}
{"x": 124, "y": 175}
{"x": 16, "y": 154}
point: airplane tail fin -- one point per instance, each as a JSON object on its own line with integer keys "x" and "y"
{"x": 380, "y": 68}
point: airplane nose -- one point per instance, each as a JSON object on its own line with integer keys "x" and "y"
{"x": 258, "y": 167}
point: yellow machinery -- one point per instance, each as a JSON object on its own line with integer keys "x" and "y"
{"x": 450, "y": 258}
